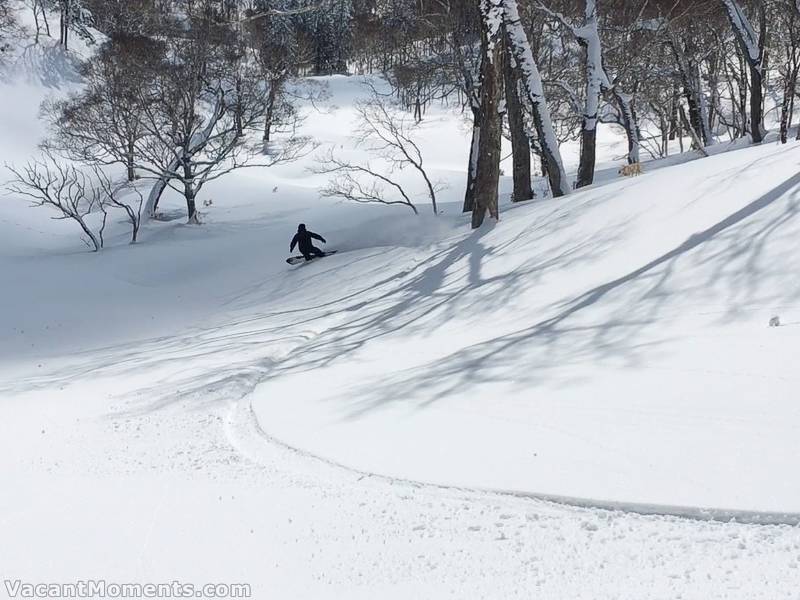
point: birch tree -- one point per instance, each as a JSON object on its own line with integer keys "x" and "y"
{"x": 520, "y": 143}
{"x": 752, "y": 45}
{"x": 588, "y": 36}
{"x": 487, "y": 168}
{"x": 531, "y": 82}
{"x": 789, "y": 23}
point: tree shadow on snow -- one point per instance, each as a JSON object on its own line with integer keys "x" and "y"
{"x": 525, "y": 356}
{"x": 215, "y": 362}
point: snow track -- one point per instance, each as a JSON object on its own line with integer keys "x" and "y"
{"x": 190, "y": 409}
{"x": 184, "y": 473}
{"x": 246, "y": 433}
{"x": 611, "y": 347}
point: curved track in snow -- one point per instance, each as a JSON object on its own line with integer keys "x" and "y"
{"x": 245, "y": 432}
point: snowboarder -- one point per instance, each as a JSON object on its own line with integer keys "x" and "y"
{"x": 303, "y": 239}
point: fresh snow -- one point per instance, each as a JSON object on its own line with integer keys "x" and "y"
{"x": 387, "y": 421}
{"x": 612, "y": 348}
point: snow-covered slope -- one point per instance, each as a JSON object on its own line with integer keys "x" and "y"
{"x": 612, "y": 346}
{"x": 172, "y": 399}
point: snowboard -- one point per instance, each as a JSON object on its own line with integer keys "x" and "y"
{"x": 296, "y": 260}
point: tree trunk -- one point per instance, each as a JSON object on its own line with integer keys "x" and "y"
{"x": 588, "y": 156}
{"x": 757, "y": 108}
{"x": 36, "y": 21}
{"x": 629, "y": 121}
{"x": 753, "y": 48}
{"x": 743, "y": 97}
{"x": 129, "y": 155}
{"x": 97, "y": 241}
{"x": 696, "y": 141}
{"x": 270, "y": 115}
{"x": 596, "y": 80}
{"x": 756, "y": 104}
{"x": 191, "y": 209}
{"x": 791, "y": 100}
{"x": 694, "y": 111}
{"x": 520, "y": 144}
{"x": 160, "y": 185}
{"x": 189, "y": 192}
{"x": 487, "y": 172}
{"x": 689, "y": 72}
{"x": 44, "y": 18}
{"x": 66, "y": 12}
{"x": 532, "y": 83}
{"x": 665, "y": 133}
{"x": 713, "y": 85}
{"x": 469, "y": 195}
{"x": 784, "y": 120}
{"x": 158, "y": 189}
{"x": 673, "y": 119}
{"x": 787, "y": 104}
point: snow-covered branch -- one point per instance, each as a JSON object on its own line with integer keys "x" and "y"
{"x": 531, "y": 80}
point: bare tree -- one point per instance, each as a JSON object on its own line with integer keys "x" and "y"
{"x": 8, "y": 24}
{"x": 348, "y": 182}
{"x": 753, "y": 49}
{"x": 104, "y": 123}
{"x": 388, "y": 133}
{"x": 116, "y": 196}
{"x": 39, "y": 10}
{"x": 201, "y": 105}
{"x": 788, "y": 23}
{"x": 74, "y": 17}
{"x": 50, "y": 182}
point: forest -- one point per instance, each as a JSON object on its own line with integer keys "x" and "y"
{"x": 184, "y": 91}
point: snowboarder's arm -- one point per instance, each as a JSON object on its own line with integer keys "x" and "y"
{"x": 317, "y": 236}
{"x": 293, "y": 244}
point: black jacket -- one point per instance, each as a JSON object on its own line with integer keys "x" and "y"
{"x": 303, "y": 239}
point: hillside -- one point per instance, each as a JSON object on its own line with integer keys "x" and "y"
{"x": 431, "y": 412}
{"x": 614, "y": 346}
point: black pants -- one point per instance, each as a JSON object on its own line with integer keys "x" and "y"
{"x": 310, "y": 253}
